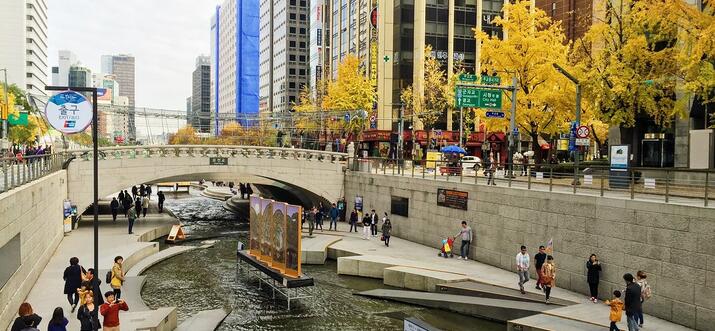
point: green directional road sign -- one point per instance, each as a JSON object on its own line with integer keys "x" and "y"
{"x": 478, "y": 98}
{"x": 490, "y": 80}
{"x": 468, "y": 78}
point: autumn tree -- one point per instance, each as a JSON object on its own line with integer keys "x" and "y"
{"x": 437, "y": 98}
{"x": 27, "y": 134}
{"x": 628, "y": 67}
{"x": 352, "y": 92}
{"x": 184, "y": 136}
{"x": 534, "y": 44}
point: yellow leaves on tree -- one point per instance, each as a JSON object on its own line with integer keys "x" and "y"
{"x": 628, "y": 66}
{"x": 351, "y": 90}
{"x": 27, "y": 134}
{"x": 535, "y": 42}
{"x": 184, "y": 136}
{"x": 438, "y": 95}
{"x": 10, "y": 106}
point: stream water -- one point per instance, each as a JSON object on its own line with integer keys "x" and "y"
{"x": 206, "y": 279}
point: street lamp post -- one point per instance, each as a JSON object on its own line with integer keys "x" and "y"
{"x": 578, "y": 115}
{"x": 7, "y": 105}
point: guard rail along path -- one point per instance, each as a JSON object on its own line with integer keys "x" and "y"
{"x": 670, "y": 185}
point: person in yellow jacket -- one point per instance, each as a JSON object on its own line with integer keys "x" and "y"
{"x": 117, "y": 276}
{"x": 616, "y": 310}
{"x": 549, "y": 278}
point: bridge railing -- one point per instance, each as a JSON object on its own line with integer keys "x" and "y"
{"x": 669, "y": 185}
{"x": 133, "y": 152}
{"x": 18, "y": 171}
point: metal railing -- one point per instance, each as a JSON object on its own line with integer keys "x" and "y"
{"x": 16, "y": 172}
{"x": 669, "y": 185}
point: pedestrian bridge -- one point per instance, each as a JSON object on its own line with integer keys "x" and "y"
{"x": 319, "y": 172}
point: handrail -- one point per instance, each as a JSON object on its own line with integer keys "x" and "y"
{"x": 643, "y": 183}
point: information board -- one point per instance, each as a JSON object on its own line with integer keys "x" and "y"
{"x": 452, "y": 199}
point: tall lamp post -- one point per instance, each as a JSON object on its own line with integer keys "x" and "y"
{"x": 7, "y": 105}
{"x": 578, "y": 116}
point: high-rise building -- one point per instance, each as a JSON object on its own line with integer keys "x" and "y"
{"x": 402, "y": 34}
{"x": 122, "y": 67}
{"x": 79, "y": 76}
{"x": 116, "y": 120}
{"x": 319, "y": 58}
{"x": 284, "y": 53}
{"x": 351, "y": 25}
{"x": 576, "y": 16}
{"x": 189, "y": 120}
{"x": 201, "y": 95}
{"x": 60, "y": 73}
{"x": 23, "y": 44}
{"x": 234, "y": 52}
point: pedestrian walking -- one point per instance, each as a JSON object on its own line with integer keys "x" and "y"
{"x": 242, "y": 189}
{"x": 142, "y": 190}
{"x": 549, "y": 278}
{"x": 632, "y": 302}
{"x": 131, "y": 217}
{"x": 127, "y": 204}
{"x": 353, "y": 220}
{"x": 319, "y": 217}
{"x": 162, "y": 198}
{"x": 138, "y": 206}
{"x": 616, "y": 310}
{"x": 73, "y": 280}
{"x": 522, "y": 267}
{"x": 87, "y": 315}
{"x": 110, "y": 311}
{"x": 539, "y": 260}
{"x": 334, "y": 217}
{"x": 366, "y": 226}
{"x": 26, "y": 318}
{"x": 148, "y": 191}
{"x": 134, "y": 192}
{"x": 489, "y": 168}
{"x": 465, "y": 234}
{"x": 386, "y": 231}
{"x": 311, "y": 220}
{"x": 145, "y": 205}
{"x": 646, "y": 293}
{"x": 373, "y": 223}
{"x": 117, "y": 278}
{"x": 120, "y": 196}
{"x": 114, "y": 206}
{"x": 593, "y": 275}
{"x": 58, "y": 322}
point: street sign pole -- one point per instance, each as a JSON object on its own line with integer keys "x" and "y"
{"x": 95, "y": 165}
{"x": 461, "y": 125}
{"x": 512, "y": 127}
{"x": 578, "y": 115}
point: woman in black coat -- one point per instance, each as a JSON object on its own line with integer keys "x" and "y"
{"x": 73, "y": 281}
{"x": 593, "y": 276}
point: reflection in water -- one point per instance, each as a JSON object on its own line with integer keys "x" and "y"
{"x": 206, "y": 279}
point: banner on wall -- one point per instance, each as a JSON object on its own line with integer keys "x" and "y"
{"x": 275, "y": 230}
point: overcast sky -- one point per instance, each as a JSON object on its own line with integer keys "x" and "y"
{"x": 165, "y": 37}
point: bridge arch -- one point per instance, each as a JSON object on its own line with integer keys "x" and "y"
{"x": 319, "y": 172}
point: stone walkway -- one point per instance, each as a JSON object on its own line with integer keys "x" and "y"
{"x": 410, "y": 254}
{"x": 47, "y": 293}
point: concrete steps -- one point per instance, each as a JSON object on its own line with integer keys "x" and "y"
{"x": 205, "y": 320}
{"x": 419, "y": 279}
{"x": 315, "y": 250}
{"x": 482, "y": 290}
{"x": 492, "y": 309}
{"x": 543, "y": 322}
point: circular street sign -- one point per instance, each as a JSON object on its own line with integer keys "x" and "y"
{"x": 583, "y": 131}
{"x": 69, "y": 112}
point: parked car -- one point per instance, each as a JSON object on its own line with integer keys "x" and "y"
{"x": 471, "y": 162}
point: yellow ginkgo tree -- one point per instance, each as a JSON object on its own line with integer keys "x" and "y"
{"x": 534, "y": 44}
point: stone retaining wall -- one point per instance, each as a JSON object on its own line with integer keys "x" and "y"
{"x": 34, "y": 211}
{"x": 674, "y": 244}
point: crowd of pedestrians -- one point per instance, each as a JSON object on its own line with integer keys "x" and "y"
{"x": 134, "y": 205}
{"x": 83, "y": 291}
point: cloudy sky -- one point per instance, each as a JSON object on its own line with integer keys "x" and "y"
{"x": 165, "y": 36}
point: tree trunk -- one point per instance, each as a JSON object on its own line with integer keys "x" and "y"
{"x": 536, "y": 148}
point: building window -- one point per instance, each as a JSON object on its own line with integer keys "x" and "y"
{"x": 292, "y": 29}
{"x": 553, "y": 9}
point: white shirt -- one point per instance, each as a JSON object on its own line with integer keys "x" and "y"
{"x": 522, "y": 261}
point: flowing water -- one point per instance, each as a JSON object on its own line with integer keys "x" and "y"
{"x": 206, "y": 279}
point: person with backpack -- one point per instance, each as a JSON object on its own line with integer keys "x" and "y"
{"x": 646, "y": 293}
{"x": 593, "y": 268}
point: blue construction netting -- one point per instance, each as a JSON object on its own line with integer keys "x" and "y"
{"x": 247, "y": 49}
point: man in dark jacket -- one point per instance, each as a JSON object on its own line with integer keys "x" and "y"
{"x": 633, "y": 302}
{"x": 161, "y": 196}
{"x": 334, "y": 217}
{"x": 138, "y": 206}
{"x": 353, "y": 220}
{"x": 95, "y": 282}
{"x": 126, "y": 203}
{"x": 114, "y": 205}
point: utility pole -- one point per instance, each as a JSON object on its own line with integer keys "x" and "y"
{"x": 7, "y": 110}
{"x": 577, "y": 153}
{"x": 512, "y": 128}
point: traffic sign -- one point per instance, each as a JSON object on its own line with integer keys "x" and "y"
{"x": 69, "y": 112}
{"x": 583, "y": 132}
{"x": 469, "y": 78}
{"x": 495, "y": 114}
{"x": 583, "y": 142}
{"x": 479, "y": 98}
{"x": 491, "y": 80}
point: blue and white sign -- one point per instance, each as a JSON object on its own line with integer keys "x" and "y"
{"x": 69, "y": 112}
{"x": 619, "y": 155}
{"x": 495, "y": 114}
